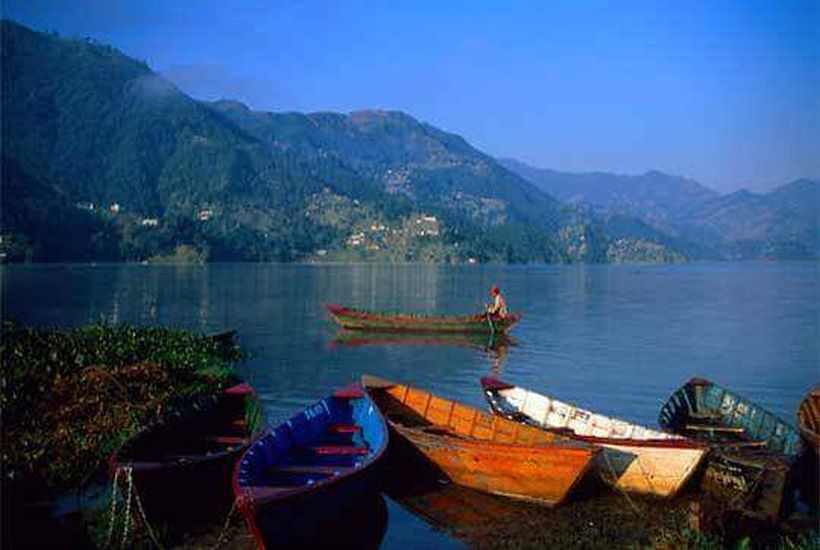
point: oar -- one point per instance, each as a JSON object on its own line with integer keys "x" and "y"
{"x": 492, "y": 326}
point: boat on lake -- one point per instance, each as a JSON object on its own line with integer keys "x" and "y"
{"x": 299, "y": 478}
{"x": 752, "y": 449}
{"x": 480, "y": 450}
{"x": 181, "y": 466}
{"x": 634, "y": 458}
{"x": 359, "y": 319}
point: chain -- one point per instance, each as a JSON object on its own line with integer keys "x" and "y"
{"x": 220, "y": 540}
{"x": 112, "y": 515}
{"x": 129, "y": 479}
{"x": 148, "y": 528}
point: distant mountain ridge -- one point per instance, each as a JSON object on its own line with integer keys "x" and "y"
{"x": 105, "y": 159}
{"x": 781, "y": 224}
{"x": 654, "y": 196}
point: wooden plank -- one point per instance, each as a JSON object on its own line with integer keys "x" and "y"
{"x": 702, "y": 428}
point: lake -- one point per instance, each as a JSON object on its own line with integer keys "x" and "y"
{"x": 615, "y": 338}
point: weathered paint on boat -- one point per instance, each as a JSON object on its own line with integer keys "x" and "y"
{"x": 311, "y": 470}
{"x": 808, "y": 417}
{"x": 635, "y": 458}
{"x": 181, "y": 466}
{"x": 752, "y": 451}
{"x": 357, "y": 319}
{"x": 482, "y": 451}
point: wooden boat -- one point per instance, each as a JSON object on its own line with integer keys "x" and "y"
{"x": 482, "y": 451}
{"x": 635, "y": 458}
{"x": 808, "y": 422}
{"x": 357, "y": 319}
{"x": 181, "y": 467}
{"x": 752, "y": 450}
{"x": 808, "y": 418}
{"x": 302, "y": 476}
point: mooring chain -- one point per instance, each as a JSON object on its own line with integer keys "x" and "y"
{"x": 220, "y": 540}
{"x": 112, "y": 515}
{"x": 131, "y": 495}
{"x": 129, "y": 481}
{"x": 145, "y": 521}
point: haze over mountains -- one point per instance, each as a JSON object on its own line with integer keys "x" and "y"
{"x": 783, "y": 223}
{"x": 104, "y": 159}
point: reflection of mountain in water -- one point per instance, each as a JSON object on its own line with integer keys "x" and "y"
{"x": 495, "y": 346}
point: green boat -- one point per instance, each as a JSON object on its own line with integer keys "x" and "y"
{"x": 374, "y": 321}
{"x": 752, "y": 451}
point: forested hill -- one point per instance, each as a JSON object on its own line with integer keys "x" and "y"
{"x": 105, "y": 159}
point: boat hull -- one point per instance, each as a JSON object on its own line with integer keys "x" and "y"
{"x": 524, "y": 472}
{"x": 647, "y": 469}
{"x": 354, "y": 319}
{"x": 481, "y": 451}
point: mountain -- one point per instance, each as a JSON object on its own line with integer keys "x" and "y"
{"x": 654, "y": 196}
{"x": 105, "y": 159}
{"x": 681, "y": 213}
{"x": 781, "y": 224}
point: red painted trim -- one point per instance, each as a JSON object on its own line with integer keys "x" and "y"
{"x": 240, "y": 389}
{"x": 351, "y": 391}
{"x": 493, "y": 383}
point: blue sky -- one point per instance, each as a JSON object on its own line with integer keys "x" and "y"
{"x": 725, "y": 92}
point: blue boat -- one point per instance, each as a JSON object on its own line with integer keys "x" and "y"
{"x": 752, "y": 450}
{"x": 316, "y": 475}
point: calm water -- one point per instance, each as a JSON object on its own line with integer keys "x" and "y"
{"x": 618, "y": 339}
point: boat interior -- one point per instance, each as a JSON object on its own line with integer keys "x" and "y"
{"x": 211, "y": 427}
{"x": 329, "y": 439}
{"x": 707, "y": 412}
{"x": 414, "y": 409}
{"x": 526, "y": 406}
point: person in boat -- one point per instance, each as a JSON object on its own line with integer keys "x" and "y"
{"x": 498, "y": 307}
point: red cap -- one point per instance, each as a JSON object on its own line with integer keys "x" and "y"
{"x": 495, "y": 290}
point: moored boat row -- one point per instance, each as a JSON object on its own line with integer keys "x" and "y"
{"x": 319, "y": 473}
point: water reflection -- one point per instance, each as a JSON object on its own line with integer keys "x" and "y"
{"x": 494, "y": 346}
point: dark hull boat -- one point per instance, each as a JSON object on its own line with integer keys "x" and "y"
{"x": 752, "y": 451}
{"x": 181, "y": 467}
{"x": 297, "y": 482}
{"x": 357, "y": 319}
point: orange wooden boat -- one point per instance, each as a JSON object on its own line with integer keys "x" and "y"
{"x": 808, "y": 417}
{"x": 482, "y": 451}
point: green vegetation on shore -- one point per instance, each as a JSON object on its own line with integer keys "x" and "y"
{"x": 69, "y": 398}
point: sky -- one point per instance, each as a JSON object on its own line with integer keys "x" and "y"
{"x": 727, "y": 93}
